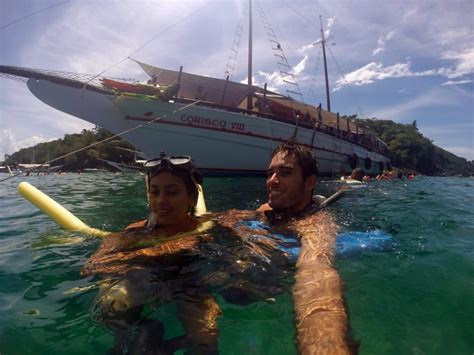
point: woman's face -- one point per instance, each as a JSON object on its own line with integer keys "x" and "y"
{"x": 169, "y": 199}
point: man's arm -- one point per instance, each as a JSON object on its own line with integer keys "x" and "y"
{"x": 321, "y": 317}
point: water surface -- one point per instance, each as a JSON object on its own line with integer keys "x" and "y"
{"x": 416, "y": 298}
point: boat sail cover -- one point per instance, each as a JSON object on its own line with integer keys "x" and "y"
{"x": 209, "y": 89}
{"x": 204, "y": 88}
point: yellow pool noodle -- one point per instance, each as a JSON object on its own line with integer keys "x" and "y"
{"x": 57, "y": 212}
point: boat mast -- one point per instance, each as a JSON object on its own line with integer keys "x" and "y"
{"x": 249, "y": 80}
{"x": 323, "y": 44}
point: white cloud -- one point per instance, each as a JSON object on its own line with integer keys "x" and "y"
{"x": 454, "y": 34}
{"x": 378, "y": 50}
{"x": 459, "y": 82}
{"x": 275, "y": 80}
{"x": 10, "y": 144}
{"x": 410, "y": 14}
{"x": 7, "y": 143}
{"x": 307, "y": 47}
{"x": 373, "y": 71}
{"x": 327, "y": 36}
{"x": 328, "y": 29}
{"x": 261, "y": 78}
{"x": 464, "y": 63}
{"x": 382, "y": 41}
{"x": 300, "y": 67}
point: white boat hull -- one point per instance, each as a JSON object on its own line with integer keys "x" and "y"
{"x": 218, "y": 140}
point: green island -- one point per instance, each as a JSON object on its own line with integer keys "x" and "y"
{"x": 410, "y": 150}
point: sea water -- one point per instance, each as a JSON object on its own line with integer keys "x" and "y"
{"x": 414, "y": 298}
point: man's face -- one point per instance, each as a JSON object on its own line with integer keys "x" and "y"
{"x": 287, "y": 189}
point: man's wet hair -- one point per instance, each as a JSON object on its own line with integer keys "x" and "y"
{"x": 304, "y": 156}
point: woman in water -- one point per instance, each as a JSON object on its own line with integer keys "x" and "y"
{"x": 154, "y": 261}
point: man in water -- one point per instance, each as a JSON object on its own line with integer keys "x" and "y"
{"x": 321, "y": 317}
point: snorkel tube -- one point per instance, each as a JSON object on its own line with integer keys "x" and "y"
{"x": 201, "y": 204}
{"x": 330, "y": 200}
{"x": 57, "y": 212}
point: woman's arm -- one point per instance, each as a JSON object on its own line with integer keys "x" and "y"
{"x": 118, "y": 253}
{"x": 321, "y": 317}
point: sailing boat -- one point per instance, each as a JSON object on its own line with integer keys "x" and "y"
{"x": 227, "y": 127}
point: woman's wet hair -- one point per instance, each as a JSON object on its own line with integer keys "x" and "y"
{"x": 304, "y": 156}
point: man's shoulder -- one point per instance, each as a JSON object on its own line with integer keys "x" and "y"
{"x": 314, "y": 205}
{"x": 264, "y": 207}
{"x": 284, "y": 216}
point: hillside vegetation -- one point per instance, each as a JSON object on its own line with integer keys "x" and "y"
{"x": 90, "y": 158}
{"x": 410, "y": 150}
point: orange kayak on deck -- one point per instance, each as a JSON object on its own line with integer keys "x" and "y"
{"x": 143, "y": 89}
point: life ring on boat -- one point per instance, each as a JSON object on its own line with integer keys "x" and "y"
{"x": 353, "y": 161}
{"x": 368, "y": 163}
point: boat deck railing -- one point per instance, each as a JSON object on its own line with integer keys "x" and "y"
{"x": 366, "y": 141}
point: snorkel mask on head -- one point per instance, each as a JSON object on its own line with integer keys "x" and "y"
{"x": 181, "y": 164}
{"x": 168, "y": 163}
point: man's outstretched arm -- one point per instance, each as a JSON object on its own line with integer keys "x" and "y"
{"x": 321, "y": 318}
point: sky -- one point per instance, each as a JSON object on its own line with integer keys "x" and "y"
{"x": 401, "y": 60}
